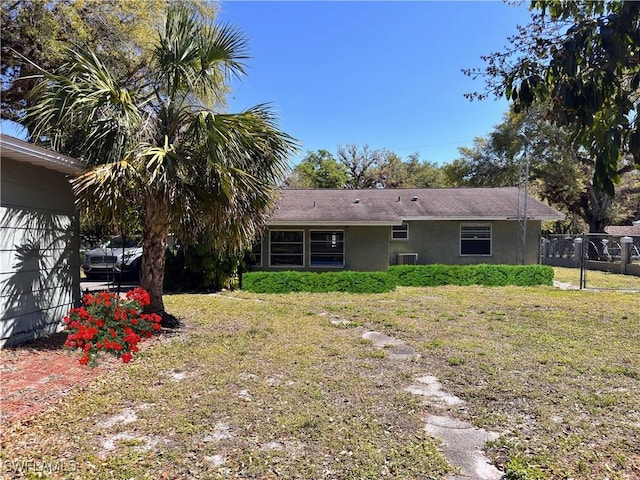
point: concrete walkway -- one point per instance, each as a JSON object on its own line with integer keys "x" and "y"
{"x": 462, "y": 443}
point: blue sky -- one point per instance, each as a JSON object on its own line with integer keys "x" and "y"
{"x": 384, "y": 74}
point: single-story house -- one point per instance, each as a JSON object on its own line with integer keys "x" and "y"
{"x": 39, "y": 242}
{"x": 324, "y": 229}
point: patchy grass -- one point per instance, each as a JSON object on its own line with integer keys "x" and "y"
{"x": 266, "y": 386}
{"x": 596, "y": 279}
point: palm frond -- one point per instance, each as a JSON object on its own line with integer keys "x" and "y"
{"x": 84, "y": 112}
{"x": 196, "y": 58}
{"x": 235, "y": 163}
{"x": 107, "y": 189}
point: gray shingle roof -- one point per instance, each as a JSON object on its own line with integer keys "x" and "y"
{"x": 628, "y": 231}
{"x": 392, "y": 206}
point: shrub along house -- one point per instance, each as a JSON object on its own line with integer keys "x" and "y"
{"x": 326, "y": 229}
{"x": 39, "y": 245}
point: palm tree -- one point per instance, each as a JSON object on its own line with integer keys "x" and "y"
{"x": 159, "y": 140}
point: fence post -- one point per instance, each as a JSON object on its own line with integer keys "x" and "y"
{"x": 546, "y": 244}
{"x": 579, "y": 258}
{"x": 577, "y": 250}
{"x": 625, "y": 253}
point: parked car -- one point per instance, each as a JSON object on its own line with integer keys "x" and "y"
{"x": 112, "y": 259}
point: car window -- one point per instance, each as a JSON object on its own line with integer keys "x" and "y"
{"x": 117, "y": 243}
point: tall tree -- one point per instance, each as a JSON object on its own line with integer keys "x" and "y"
{"x": 559, "y": 173}
{"x": 361, "y": 167}
{"x": 38, "y": 33}
{"x": 318, "y": 170}
{"x": 195, "y": 169}
{"x": 424, "y": 174}
{"x": 580, "y": 59}
{"x": 360, "y": 163}
{"x": 390, "y": 171}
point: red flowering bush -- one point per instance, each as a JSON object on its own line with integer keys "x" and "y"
{"x": 110, "y": 323}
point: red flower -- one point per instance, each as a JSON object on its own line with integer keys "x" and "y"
{"x": 139, "y": 295}
{"x": 108, "y": 322}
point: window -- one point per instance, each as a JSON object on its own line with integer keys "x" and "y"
{"x": 286, "y": 248}
{"x": 254, "y": 258}
{"x": 475, "y": 239}
{"x": 326, "y": 249}
{"x": 400, "y": 232}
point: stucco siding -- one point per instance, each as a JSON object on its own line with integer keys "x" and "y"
{"x": 439, "y": 242}
{"x": 367, "y": 248}
{"x": 372, "y": 248}
{"x": 39, "y": 259}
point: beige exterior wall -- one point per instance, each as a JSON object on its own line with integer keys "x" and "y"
{"x": 371, "y": 248}
{"x": 39, "y": 252}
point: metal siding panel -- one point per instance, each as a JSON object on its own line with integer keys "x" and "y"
{"x": 32, "y": 325}
{"x": 39, "y": 252}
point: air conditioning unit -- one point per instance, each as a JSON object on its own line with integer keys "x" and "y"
{"x": 406, "y": 258}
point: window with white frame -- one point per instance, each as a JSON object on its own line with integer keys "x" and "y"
{"x": 400, "y": 232}
{"x": 475, "y": 239}
{"x": 286, "y": 248}
{"x": 326, "y": 248}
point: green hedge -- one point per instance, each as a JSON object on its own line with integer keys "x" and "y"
{"x": 289, "y": 281}
{"x": 403, "y": 275}
{"x": 487, "y": 275}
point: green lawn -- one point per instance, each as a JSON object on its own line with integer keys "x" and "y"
{"x": 596, "y": 279}
{"x": 265, "y": 386}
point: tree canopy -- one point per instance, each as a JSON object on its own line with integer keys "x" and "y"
{"x": 582, "y": 60}
{"x": 38, "y": 33}
{"x": 318, "y": 170}
{"x": 363, "y": 167}
{"x": 559, "y": 173}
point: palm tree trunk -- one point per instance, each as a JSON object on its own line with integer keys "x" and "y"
{"x": 156, "y": 228}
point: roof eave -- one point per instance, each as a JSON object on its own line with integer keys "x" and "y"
{"x": 364, "y": 223}
{"x": 337, "y": 223}
{"x": 27, "y": 152}
{"x": 475, "y": 218}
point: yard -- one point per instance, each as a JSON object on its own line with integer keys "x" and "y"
{"x": 267, "y": 386}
